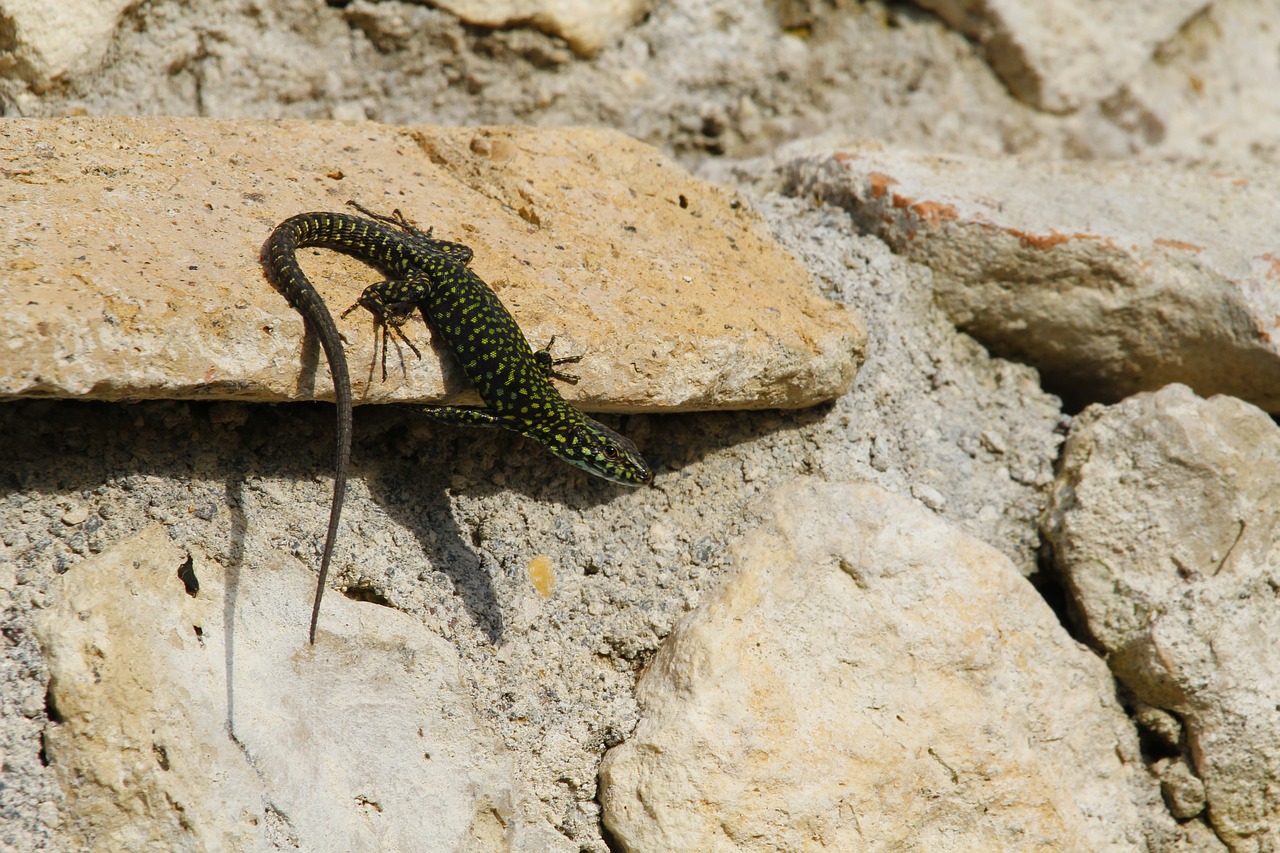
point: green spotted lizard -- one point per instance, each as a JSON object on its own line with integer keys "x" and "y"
{"x": 432, "y": 276}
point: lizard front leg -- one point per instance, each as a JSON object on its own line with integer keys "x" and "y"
{"x": 392, "y": 303}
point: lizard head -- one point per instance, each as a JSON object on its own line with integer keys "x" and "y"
{"x": 598, "y": 450}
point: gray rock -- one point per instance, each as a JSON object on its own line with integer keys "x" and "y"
{"x": 1058, "y": 55}
{"x": 587, "y": 27}
{"x": 45, "y": 42}
{"x": 1110, "y": 279}
{"x": 1165, "y": 525}
{"x": 205, "y": 722}
{"x": 1183, "y": 790}
{"x": 874, "y": 679}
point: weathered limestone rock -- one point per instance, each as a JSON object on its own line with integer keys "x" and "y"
{"x": 203, "y": 720}
{"x": 1061, "y": 54}
{"x": 874, "y": 679}
{"x": 132, "y": 268}
{"x": 1110, "y": 279}
{"x": 44, "y": 40}
{"x": 1166, "y": 525}
{"x": 587, "y": 25}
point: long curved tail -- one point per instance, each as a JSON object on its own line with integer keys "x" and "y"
{"x": 281, "y": 262}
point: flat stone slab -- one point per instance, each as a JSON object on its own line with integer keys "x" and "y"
{"x": 1109, "y": 279}
{"x": 130, "y": 249}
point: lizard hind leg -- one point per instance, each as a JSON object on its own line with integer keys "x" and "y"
{"x": 396, "y": 218}
{"x": 459, "y": 253}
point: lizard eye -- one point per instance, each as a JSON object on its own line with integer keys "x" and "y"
{"x": 610, "y": 452}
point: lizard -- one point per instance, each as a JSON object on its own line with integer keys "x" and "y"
{"x": 433, "y": 277}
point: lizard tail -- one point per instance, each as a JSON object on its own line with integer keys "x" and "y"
{"x": 280, "y": 260}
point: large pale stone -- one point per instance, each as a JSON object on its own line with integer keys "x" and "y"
{"x": 1110, "y": 279}
{"x": 587, "y": 25}
{"x": 132, "y": 268}
{"x": 1166, "y": 525}
{"x": 874, "y": 679}
{"x": 45, "y": 39}
{"x": 1060, "y": 54}
{"x": 204, "y": 721}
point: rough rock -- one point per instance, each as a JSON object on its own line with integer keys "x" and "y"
{"x": 587, "y": 25}
{"x": 1166, "y": 527}
{"x": 1062, "y": 54}
{"x": 132, "y": 272}
{"x": 1204, "y": 92}
{"x": 1110, "y": 279}
{"x": 694, "y": 77}
{"x": 455, "y": 527}
{"x": 202, "y": 720}
{"x": 874, "y": 679}
{"x": 447, "y": 525}
{"x": 44, "y": 40}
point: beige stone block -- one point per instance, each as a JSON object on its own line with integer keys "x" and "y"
{"x": 131, "y": 268}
